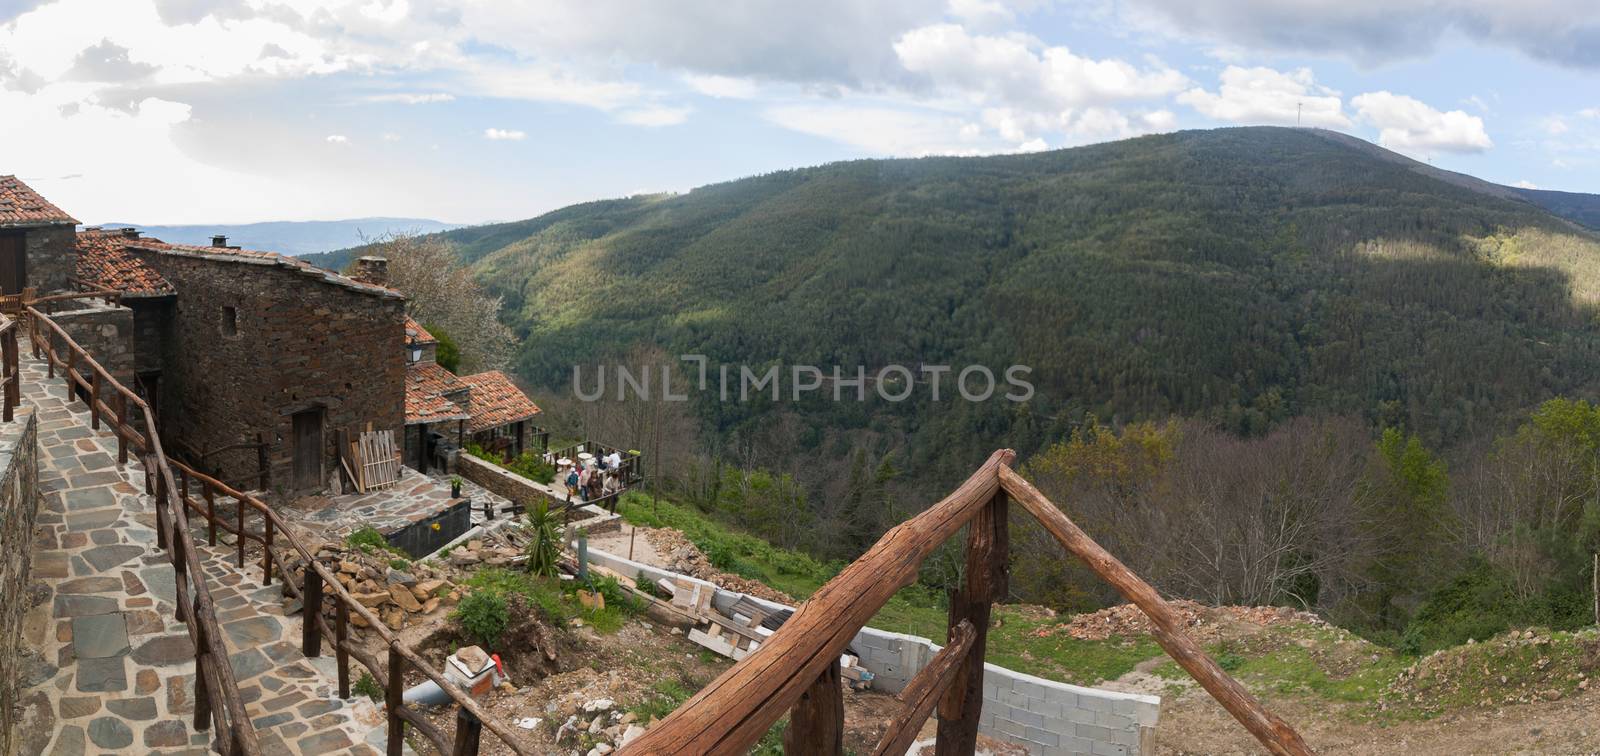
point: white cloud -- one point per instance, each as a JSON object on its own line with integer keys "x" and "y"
{"x": 1525, "y": 184}
{"x": 981, "y": 12}
{"x": 654, "y": 116}
{"x": 1268, "y": 96}
{"x": 1409, "y": 125}
{"x": 412, "y": 98}
{"x": 504, "y": 135}
{"x": 389, "y": 136}
{"x": 337, "y": 139}
{"x": 1014, "y": 70}
{"x": 1555, "y": 126}
{"x": 1590, "y": 112}
{"x": 728, "y": 87}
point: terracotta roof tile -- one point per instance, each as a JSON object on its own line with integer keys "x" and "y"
{"x": 496, "y": 401}
{"x": 428, "y": 387}
{"x": 416, "y": 334}
{"x": 20, "y": 205}
{"x": 104, "y": 261}
{"x": 258, "y": 257}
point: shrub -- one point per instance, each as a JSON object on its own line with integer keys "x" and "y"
{"x": 484, "y": 616}
{"x": 545, "y": 547}
{"x": 369, "y": 687}
{"x": 370, "y": 541}
{"x": 448, "y": 353}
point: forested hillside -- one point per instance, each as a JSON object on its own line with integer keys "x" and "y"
{"x": 1342, "y": 350}
{"x": 1241, "y": 275}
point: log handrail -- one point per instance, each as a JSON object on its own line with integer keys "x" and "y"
{"x": 1166, "y": 626}
{"x": 736, "y": 709}
{"x": 214, "y": 680}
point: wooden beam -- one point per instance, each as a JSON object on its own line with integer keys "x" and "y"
{"x": 735, "y": 710}
{"x": 924, "y": 691}
{"x": 816, "y": 723}
{"x": 1275, "y": 734}
{"x": 962, "y": 705}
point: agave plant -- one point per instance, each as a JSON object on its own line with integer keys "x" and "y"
{"x": 545, "y": 546}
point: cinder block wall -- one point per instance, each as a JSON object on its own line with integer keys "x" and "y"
{"x": 1047, "y": 717}
{"x": 19, "y": 510}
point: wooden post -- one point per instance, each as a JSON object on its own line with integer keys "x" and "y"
{"x": 962, "y": 705}
{"x": 310, "y": 607}
{"x": 341, "y": 634}
{"x": 180, "y": 568}
{"x": 1165, "y": 624}
{"x": 266, "y": 552}
{"x": 239, "y": 542}
{"x": 72, "y": 390}
{"x": 468, "y": 730}
{"x": 161, "y": 502}
{"x": 122, "y": 424}
{"x": 94, "y": 400}
{"x": 816, "y": 723}
{"x": 202, "y": 699}
{"x": 395, "y": 692}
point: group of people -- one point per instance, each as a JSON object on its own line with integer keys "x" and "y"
{"x": 590, "y": 477}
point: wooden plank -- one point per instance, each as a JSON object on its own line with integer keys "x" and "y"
{"x": 962, "y": 705}
{"x": 816, "y": 723}
{"x": 924, "y": 691}
{"x": 1275, "y": 734}
{"x": 735, "y": 710}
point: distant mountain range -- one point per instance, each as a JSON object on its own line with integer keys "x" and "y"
{"x": 293, "y": 237}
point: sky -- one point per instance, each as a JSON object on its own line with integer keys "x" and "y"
{"x": 468, "y": 111}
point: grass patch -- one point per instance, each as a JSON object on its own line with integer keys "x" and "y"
{"x": 368, "y": 540}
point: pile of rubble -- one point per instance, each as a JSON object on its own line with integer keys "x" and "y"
{"x": 598, "y": 726}
{"x": 395, "y": 596}
{"x": 478, "y": 553}
{"x": 1204, "y": 623}
{"x": 683, "y": 557}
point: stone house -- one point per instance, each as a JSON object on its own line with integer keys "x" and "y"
{"x": 36, "y": 240}
{"x": 253, "y": 361}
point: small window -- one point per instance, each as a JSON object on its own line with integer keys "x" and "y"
{"x": 230, "y": 320}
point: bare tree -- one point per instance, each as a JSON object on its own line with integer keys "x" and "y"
{"x": 443, "y": 293}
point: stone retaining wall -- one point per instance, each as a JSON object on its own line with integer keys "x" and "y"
{"x": 105, "y": 332}
{"x": 499, "y": 480}
{"x": 1047, "y": 717}
{"x": 19, "y": 509}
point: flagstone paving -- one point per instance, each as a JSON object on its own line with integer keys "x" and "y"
{"x": 114, "y": 670}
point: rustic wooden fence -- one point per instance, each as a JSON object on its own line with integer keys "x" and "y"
{"x": 179, "y": 490}
{"x": 796, "y": 671}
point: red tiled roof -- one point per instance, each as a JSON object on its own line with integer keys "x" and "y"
{"x": 416, "y": 334}
{"x": 104, "y": 261}
{"x": 20, "y": 205}
{"x": 258, "y": 257}
{"x": 427, "y": 390}
{"x": 496, "y": 401}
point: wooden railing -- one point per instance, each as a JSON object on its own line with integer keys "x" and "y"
{"x": 796, "y": 671}
{"x": 216, "y": 692}
{"x": 11, "y": 393}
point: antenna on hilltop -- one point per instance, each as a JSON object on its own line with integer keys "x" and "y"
{"x": 1297, "y": 108}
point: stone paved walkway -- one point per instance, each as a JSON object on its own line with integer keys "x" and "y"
{"x": 114, "y": 670}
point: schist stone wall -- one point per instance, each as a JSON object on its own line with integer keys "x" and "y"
{"x": 19, "y": 508}
{"x": 251, "y": 344}
{"x": 104, "y": 331}
{"x": 52, "y": 256}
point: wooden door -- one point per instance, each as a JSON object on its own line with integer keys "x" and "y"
{"x": 308, "y": 450}
{"x": 13, "y": 264}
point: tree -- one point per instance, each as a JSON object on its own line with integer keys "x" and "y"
{"x": 443, "y": 293}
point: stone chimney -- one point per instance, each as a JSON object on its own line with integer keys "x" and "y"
{"x": 219, "y": 241}
{"x": 131, "y": 233}
{"x": 371, "y": 270}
